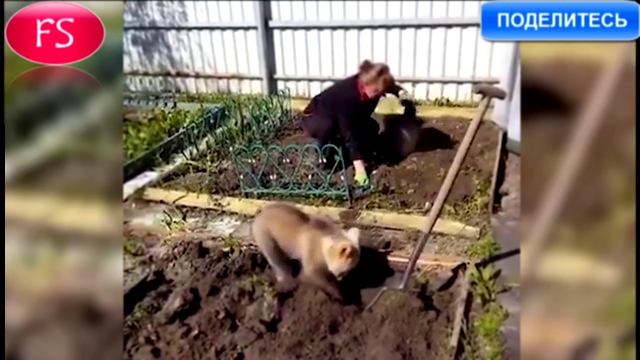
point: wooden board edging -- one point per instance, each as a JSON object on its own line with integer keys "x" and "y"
{"x": 61, "y": 213}
{"x": 250, "y": 207}
{"x": 427, "y": 260}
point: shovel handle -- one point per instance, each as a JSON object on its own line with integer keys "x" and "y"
{"x": 488, "y": 92}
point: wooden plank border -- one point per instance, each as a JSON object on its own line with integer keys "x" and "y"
{"x": 250, "y": 207}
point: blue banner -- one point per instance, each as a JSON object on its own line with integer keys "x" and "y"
{"x": 560, "y": 21}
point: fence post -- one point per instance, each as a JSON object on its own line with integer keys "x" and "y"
{"x": 266, "y": 47}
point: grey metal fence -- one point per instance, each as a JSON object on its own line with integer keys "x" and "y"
{"x": 433, "y": 47}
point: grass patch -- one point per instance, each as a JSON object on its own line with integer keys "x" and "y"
{"x": 438, "y": 102}
{"x": 483, "y": 281}
{"x": 485, "y": 247}
{"x": 143, "y": 133}
{"x": 232, "y": 245}
{"x": 446, "y": 103}
{"x": 484, "y": 338}
{"x": 487, "y": 328}
{"x": 475, "y": 211}
{"x": 429, "y": 109}
{"x": 473, "y": 207}
{"x": 241, "y": 120}
{"x": 174, "y": 223}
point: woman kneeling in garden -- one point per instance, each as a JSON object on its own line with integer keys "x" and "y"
{"x": 341, "y": 116}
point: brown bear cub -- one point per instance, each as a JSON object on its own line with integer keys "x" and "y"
{"x": 325, "y": 251}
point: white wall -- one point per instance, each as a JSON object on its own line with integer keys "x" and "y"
{"x": 435, "y": 52}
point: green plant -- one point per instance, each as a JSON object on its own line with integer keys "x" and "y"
{"x": 474, "y": 206}
{"x": 446, "y": 102}
{"x": 250, "y": 119}
{"x": 173, "y": 223}
{"x": 232, "y": 245}
{"x": 422, "y": 278}
{"x": 484, "y": 248}
{"x": 139, "y": 313}
{"x": 141, "y": 135}
{"x": 484, "y": 340}
{"x": 484, "y": 283}
{"x": 255, "y": 282}
{"x": 487, "y": 326}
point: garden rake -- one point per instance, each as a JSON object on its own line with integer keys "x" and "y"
{"x": 487, "y": 92}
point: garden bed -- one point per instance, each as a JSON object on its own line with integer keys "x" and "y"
{"x": 406, "y": 186}
{"x": 214, "y": 299}
{"x": 232, "y": 120}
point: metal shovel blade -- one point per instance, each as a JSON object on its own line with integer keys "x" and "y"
{"x": 371, "y": 295}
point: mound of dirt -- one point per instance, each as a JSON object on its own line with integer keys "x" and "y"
{"x": 203, "y": 302}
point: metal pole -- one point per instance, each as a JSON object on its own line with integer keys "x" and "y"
{"x": 266, "y": 46}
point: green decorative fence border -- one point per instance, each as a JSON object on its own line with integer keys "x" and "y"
{"x": 247, "y": 133}
{"x": 255, "y": 119}
{"x": 262, "y": 169}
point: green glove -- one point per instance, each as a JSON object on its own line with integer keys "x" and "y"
{"x": 361, "y": 178}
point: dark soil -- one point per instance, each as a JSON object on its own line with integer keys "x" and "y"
{"x": 66, "y": 326}
{"x": 411, "y": 177}
{"x": 553, "y": 92}
{"x": 200, "y": 302}
{"x": 417, "y": 179}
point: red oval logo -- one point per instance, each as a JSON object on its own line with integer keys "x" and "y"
{"x": 54, "y": 33}
{"x": 58, "y": 76}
